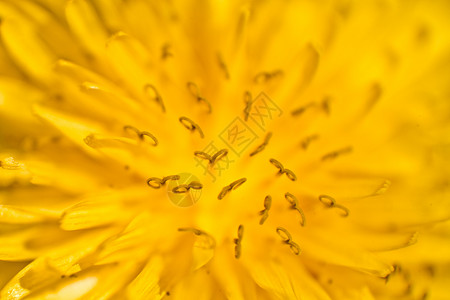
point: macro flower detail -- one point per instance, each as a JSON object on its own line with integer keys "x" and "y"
{"x": 224, "y": 149}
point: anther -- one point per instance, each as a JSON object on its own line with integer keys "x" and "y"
{"x": 224, "y": 192}
{"x": 154, "y": 182}
{"x": 181, "y": 189}
{"x": 284, "y": 234}
{"x": 282, "y": 170}
{"x": 194, "y": 90}
{"x": 345, "y": 211}
{"x": 129, "y": 128}
{"x": 238, "y": 242}
{"x": 223, "y": 66}
{"x": 190, "y": 229}
{"x": 294, "y": 248}
{"x": 165, "y": 52}
{"x": 248, "y": 104}
{"x": 263, "y": 77}
{"x": 191, "y": 125}
{"x": 232, "y": 186}
{"x": 305, "y": 143}
{"x": 184, "y": 188}
{"x": 294, "y": 205}
{"x": 277, "y": 164}
{"x": 170, "y": 177}
{"x": 290, "y": 175}
{"x": 287, "y": 239}
{"x": 336, "y": 153}
{"x": 195, "y": 185}
{"x": 291, "y": 199}
{"x": 300, "y": 211}
{"x": 237, "y": 183}
{"x": 263, "y": 145}
{"x": 265, "y": 211}
{"x": 301, "y": 110}
{"x": 327, "y": 200}
{"x": 143, "y": 134}
{"x": 203, "y": 155}
{"x": 153, "y": 94}
{"x": 218, "y": 156}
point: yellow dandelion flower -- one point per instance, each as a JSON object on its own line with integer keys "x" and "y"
{"x": 224, "y": 149}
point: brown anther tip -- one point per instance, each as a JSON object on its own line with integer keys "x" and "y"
{"x": 143, "y": 134}
{"x": 181, "y": 189}
{"x": 237, "y": 183}
{"x": 154, "y": 182}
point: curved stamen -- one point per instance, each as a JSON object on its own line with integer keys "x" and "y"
{"x": 191, "y": 125}
{"x": 290, "y": 174}
{"x": 143, "y": 134}
{"x": 203, "y": 155}
{"x": 248, "y": 104}
{"x": 263, "y": 145}
{"x": 237, "y": 183}
{"x": 219, "y": 155}
{"x": 284, "y": 234}
{"x": 153, "y": 94}
{"x": 194, "y": 90}
{"x": 154, "y": 182}
{"x": 345, "y": 212}
{"x": 327, "y": 200}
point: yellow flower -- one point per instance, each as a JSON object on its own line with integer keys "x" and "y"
{"x": 224, "y": 149}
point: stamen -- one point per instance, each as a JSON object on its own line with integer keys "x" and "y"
{"x": 154, "y": 182}
{"x": 190, "y": 229}
{"x": 223, "y": 66}
{"x": 287, "y": 239}
{"x": 237, "y": 183}
{"x": 248, "y": 104}
{"x": 184, "y": 188}
{"x": 327, "y": 200}
{"x": 305, "y": 143}
{"x": 170, "y": 177}
{"x": 218, "y": 156}
{"x": 191, "y": 125}
{"x": 264, "y": 77}
{"x": 263, "y": 145}
{"x": 336, "y": 153}
{"x": 291, "y": 199}
{"x": 153, "y": 94}
{"x": 284, "y": 234}
{"x": 238, "y": 242}
{"x": 195, "y": 185}
{"x": 194, "y": 90}
{"x": 277, "y": 164}
{"x": 181, "y": 189}
{"x": 295, "y": 248}
{"x": 294, "y": 205}
{"x": 299, "y": 111}
{"x": 224, "y": 192}
{"x": 232, "y": 186}
{"x": 202, "y": 155}
{"x": 383, "y": 188}
{"x": 143, "y": 134}
{"x": 290, "y": 175}
{"x": 326, "y": 105}
{"x": 129, "y": 128}
{"x": 165, "y": 52}
{"x": 265, "y": 212}
{"x": 282, "y": 170}
{"x": 345, "y": 211}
